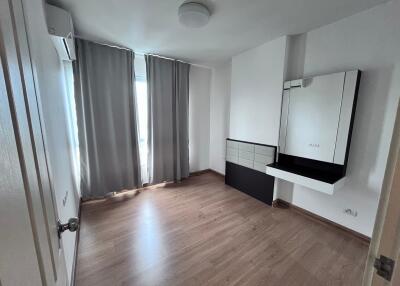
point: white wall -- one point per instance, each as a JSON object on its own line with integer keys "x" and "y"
{"x": 256, "y": 93}
{"x": 199, "y": 118}
{"x": 219, "y": 115}
{"x": 368, "y": 41}
{"x": 50, "y": 80}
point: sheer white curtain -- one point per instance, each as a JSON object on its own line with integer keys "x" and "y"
{"x": 141, "y": 94}
{"x": 72, "y": 122}
{"x": 141, "y": 100}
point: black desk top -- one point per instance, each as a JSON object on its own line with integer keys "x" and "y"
{"x": 308, "y": 172}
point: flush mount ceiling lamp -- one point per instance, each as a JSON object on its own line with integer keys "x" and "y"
{"x": 193, "y": 15}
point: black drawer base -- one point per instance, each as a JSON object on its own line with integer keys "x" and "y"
{"x": 254, "y": 183}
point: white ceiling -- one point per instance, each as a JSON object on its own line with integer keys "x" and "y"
{"x": 151, "y": 26}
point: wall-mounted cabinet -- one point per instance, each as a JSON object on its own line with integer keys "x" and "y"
{"x": 316, "y": 125}
{"x": 312, "y": 118}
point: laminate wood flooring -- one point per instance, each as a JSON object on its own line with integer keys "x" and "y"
{"x": 203, "y": 232}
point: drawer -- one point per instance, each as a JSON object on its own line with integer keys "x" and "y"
{"x": 263, "y": 159}
{"x": 245, "y": 163}
{"x": 232, "y": 152}
{"x": 264, "y": 150}
{"x": 246, "y": 155}
{"x": 246, "y": 147}
{"x": 232, "y": 159}
{"x": 259, "y": 167}
{"x": 232, "y": 144}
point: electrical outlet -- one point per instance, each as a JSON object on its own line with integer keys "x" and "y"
{"x": 351, "y": 212}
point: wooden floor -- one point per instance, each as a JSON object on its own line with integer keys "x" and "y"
{"x": 202, "y": 232}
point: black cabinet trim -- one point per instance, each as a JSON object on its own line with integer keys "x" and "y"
{"x": 259, "y": 144}
{"x": 317, "y": 170}
{"x": 353, "y": 113}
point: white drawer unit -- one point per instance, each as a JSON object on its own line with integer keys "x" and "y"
{"x": 246, "y": 163}
{"x": 231, "y": 152}
{"x": 246, "y": 147}
{"x": 263, "y": 159}
{"x": 232, "y": 159}
{"x": 264, "y": 150}
{"x": 232, "y": 144}
{"x": 250, "y": 155}
{"x": 246, "y": 155}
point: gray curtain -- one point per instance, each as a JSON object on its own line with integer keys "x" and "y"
{"x": 104, "y": 82}
{"x": 168, "y": 103}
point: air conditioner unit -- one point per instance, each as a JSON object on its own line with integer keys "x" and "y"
{"x": 61, "y": 30}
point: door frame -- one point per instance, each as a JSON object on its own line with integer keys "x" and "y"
{"x": 386, "y": 235}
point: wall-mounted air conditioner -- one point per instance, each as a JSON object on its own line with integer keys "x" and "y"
{"x": 61, "y": 30}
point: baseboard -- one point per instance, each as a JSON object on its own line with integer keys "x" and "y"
{"x": 198, "y": 173}
{"x": 279, "y": 203}
{"x": 73, "y": 275}
{"x": 216, "y": 173}
{"x": 147, "y": 186}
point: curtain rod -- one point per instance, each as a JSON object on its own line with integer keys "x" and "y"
{"x": 137, "y": 53}
{"x": 103, "y": 44}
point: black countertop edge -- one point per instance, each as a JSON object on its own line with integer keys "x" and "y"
{"x": 307, "y": 172}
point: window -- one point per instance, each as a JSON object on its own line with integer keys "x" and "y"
{"x": 72, "y": 120}
{"x": 141, "y": 99}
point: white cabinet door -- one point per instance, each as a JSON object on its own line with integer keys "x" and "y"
{"x": 313, "y": 118}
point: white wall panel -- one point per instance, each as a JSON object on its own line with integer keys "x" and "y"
{"x": 199, "y": 118}
{"x": 313, "y": 118}
{"x": 256, "y": 93}
{"x": 219, "y": 115}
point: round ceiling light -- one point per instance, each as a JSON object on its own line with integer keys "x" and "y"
{"x": 193, "y": 15}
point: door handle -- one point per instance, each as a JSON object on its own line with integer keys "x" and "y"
{"x": 72, "y": 225}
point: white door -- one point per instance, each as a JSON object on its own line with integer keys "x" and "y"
{"x": 30, "y": 250}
